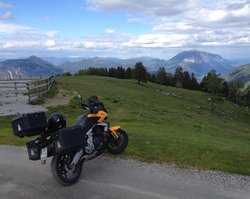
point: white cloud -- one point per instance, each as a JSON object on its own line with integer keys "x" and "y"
{"x": 6, "y": 16}
{"x": 52, "y": 33}
{"x": 156, "y": 7}
{"x": 174, "y": 27}
{"x": 7, "y": 45}
{"x": 12, "y": 28}
{"x": 109, "y": 31}
{"x": 242, "y": 12}
{"x": 159, "y": 41}
{"x": 50, "y": 43}
{"x": 4, "y": 5}
{"x": 217, "y": 15}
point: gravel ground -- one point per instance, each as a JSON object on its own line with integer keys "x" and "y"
{"x": 15, "y": 105}
{"x": 110, "y": 177}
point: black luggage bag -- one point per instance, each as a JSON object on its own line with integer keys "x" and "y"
{"x": 70, "y": 138}
{"x": 29, "y": 124}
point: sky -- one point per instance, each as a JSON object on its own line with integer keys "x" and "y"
{"x": 124, "y": 29}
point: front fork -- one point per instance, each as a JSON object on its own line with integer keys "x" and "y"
{"x": 77, "y": 158}
{"x": 113, "y": 130}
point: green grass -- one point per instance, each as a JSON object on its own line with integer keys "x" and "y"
{"x": 163, "y": 128}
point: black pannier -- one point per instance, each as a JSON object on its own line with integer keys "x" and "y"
{"x": 29, "y": 124}
{"x": 35, "y": 147}
{"x": 70, "y": 138}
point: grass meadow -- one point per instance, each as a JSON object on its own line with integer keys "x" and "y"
{"x": 164, "y": 124}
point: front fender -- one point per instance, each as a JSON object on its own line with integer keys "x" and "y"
{"x": 113, "y": 130}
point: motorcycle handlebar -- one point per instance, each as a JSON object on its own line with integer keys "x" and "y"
{"x": 84, "y": 106}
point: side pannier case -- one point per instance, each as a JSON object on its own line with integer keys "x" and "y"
{"x": 35, "y": 146}
{"x": 70, "y": 138}
{"x": 29, "y": 124}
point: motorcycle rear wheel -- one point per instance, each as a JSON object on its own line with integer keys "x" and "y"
{"x": 116, "y": 146}
{"x": 61, "y": 170}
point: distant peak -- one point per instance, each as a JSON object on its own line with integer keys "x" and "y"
{"x": 193, "y": 50}
{"x": 196, "y": 51}
{"x": 33, "y": 57}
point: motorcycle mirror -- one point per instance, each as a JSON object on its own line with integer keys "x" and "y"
{"x": 79, "y": 96}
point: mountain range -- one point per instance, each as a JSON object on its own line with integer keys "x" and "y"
{"x": 30, "y": 66}
{"x": 194, "y": 61}
{"x": 100, "y": 62}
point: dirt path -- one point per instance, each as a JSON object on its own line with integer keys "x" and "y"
{"x": 13, "y": 105}
{"x": 16, "y": 105}
{"x": 63, "y": 97}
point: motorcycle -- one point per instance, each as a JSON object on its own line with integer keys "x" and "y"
{"x": 71, "y": 146}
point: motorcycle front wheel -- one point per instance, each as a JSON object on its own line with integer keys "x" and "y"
{"x": 62, "y": 171}
{"x": 116, "y": 146}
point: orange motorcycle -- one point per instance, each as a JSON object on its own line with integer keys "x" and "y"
{"x": 70, "y": 146}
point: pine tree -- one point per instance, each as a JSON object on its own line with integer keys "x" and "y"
{"x": 212, "y": 84}
{"x": 178, "y": 76}
{"x": 161, "y": 76}
{"x": 128, "y": 74}
{"x": 140, "y": 73}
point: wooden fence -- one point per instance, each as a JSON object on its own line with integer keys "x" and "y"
{"x": 24, "y": 77}
{"x": 32, "y": 87}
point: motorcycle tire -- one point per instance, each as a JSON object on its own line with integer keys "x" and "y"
{"x": 61, "y": 170}
{"x": 116, "y": 146}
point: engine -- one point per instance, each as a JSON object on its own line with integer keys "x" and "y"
{"x": 99, "y": 139}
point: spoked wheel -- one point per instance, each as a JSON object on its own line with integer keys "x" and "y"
{"x": 62, "y": 171}
{"x": 116, "y": 146}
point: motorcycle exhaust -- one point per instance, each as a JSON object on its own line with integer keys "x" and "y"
{"x": 86, "y": 158}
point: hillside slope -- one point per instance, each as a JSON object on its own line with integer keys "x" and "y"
{"x": 166, "y": 124}
{"x": 170, "y": 124}
{"x": 242, "y": 73}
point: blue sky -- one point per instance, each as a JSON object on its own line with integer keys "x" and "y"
{"x": 118, "y": 28}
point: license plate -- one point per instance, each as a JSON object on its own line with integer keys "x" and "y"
{"x": 44, "y": 153}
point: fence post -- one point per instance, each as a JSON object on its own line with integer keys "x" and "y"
{"x": 47, "y": 84}
{"x": 37, "y": 89}
{"x": 28, "y": 88}
{"x": 15, "y": 89}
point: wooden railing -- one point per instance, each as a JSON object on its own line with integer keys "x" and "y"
{"x": 33, "y": 88}
{"x": 39, "y": 87}
{"x": 24, "y": 77}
